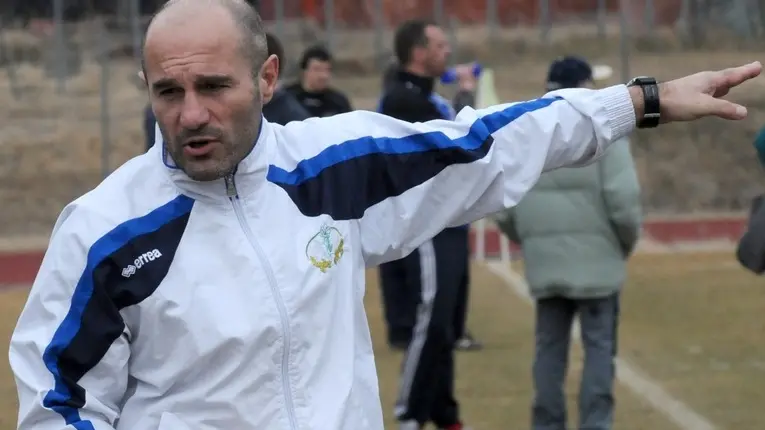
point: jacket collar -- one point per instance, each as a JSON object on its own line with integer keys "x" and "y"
{"x": 250, "y": 173}
{"x": 423, "y": 84}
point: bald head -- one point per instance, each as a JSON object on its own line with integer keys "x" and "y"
{"x": 219, "y": 16}
{"x": 208, "y": 73}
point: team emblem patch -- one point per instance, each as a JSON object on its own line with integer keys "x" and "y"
{"x": 325, "y": 249}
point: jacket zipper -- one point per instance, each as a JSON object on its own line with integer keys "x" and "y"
{"x": 233, "y": 196}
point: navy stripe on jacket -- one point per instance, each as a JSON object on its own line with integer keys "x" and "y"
{"x": 344, "y": 180}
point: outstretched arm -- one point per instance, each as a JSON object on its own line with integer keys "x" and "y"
{"x": 404, "y": 182}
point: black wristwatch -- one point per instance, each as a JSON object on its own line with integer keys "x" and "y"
{"x": 651, "y": 102}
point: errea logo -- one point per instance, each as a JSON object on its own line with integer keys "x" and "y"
{"x": 139, "y": 262}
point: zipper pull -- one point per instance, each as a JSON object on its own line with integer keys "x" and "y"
{"x": 230, "y": 185}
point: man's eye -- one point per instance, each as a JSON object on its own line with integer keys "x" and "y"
{"x": 212, "y": 87}
{"x": 170, "y": 91}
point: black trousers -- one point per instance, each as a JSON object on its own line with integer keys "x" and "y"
{"x": 426, "y": 391}
{"x": 400, "y": 282}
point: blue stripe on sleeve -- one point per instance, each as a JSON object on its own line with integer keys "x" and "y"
{"x": 346, "y": 179}
{"x": 348, "y": 150}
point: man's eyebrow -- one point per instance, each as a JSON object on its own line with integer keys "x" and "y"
{"x": 215, "y": 79}
{"x": 163, "y": 84}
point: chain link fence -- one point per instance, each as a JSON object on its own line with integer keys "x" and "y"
{"x": 73, "y": 104}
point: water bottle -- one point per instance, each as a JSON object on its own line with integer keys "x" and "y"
{"x": 450, "y": 75}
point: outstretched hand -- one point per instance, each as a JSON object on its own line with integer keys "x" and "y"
{"x": 699, "y": 95}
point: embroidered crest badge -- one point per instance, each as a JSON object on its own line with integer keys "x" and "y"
{"x": 325, "y": 249}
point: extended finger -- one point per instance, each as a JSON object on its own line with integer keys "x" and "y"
{"x": 725, "y": 109}
{"x": 735, "y": 76}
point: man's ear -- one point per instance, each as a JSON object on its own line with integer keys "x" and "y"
{"x": 141, "y": 76}
{"x": 269, "y": 76}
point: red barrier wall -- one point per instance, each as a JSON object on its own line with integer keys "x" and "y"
{"x": 359, "y": 13}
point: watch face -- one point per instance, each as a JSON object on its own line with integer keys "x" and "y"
{"x": 642, "y": 80}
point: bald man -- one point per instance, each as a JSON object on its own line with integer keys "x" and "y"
{"x": 217, "y": 281}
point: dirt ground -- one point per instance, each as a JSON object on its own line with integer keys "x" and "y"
{"x": 693, "y": 322}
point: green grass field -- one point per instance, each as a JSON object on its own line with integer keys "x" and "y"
{"x": 693, "y": 322}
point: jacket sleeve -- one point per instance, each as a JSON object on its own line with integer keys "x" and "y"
{"x": 405, "y": 182}
{"x": 750, "y": 251}
{"x": 621, "y": 194}
{"x": 69, "y": 363}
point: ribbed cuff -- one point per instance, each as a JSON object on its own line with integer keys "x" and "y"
{"x": 619, "y": 110}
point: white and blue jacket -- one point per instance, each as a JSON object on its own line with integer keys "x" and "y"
{"x": 165, "y": 303}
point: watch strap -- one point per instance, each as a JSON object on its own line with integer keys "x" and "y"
{"x": 651, "y": 101}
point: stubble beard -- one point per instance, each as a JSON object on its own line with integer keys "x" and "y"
{"x": 233, "y": 148}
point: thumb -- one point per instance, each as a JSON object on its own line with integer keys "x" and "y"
{"x": 725, "y": 109}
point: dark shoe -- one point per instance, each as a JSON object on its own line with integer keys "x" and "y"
{"x": 467, "y": 343}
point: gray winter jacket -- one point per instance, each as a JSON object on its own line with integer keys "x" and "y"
{"x": 577, "y": 226}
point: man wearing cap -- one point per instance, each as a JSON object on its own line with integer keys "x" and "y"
{"x": 577, "y": 227}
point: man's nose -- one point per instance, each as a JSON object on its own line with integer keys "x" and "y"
{"x": 194, "y": 114}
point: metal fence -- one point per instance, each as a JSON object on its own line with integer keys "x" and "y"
{"x": 73, "y": 105}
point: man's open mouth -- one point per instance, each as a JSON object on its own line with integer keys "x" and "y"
{"x": 198, "y": 143}
{"x": 199, "y": 147}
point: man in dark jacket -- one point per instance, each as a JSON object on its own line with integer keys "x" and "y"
{"x": 400, "y": 279}
{"x": 313, "y": 90}
{"x": 283, "y": 106}
{"x": 438, "y": 270}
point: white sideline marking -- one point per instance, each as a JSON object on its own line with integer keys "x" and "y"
{"x": 633, "y": 378}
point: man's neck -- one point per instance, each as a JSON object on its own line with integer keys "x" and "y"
{"x": 307, "y": 88}
{"x": 417, "y": 70}
{"x": 417, "y": 77}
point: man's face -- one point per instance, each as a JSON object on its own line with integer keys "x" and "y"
{"x": 317, "y": 75}
{"x": 437, "y": 51}
{"x": 205, "y": 99}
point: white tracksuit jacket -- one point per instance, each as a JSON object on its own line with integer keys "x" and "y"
{"x": 237, "y": 304}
